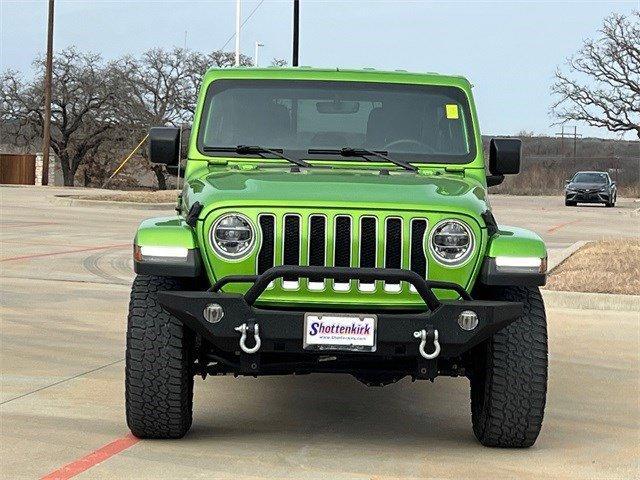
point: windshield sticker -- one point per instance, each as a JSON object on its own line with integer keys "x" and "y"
{"x": 452, "y": 111}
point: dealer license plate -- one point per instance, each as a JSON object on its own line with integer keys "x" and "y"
{"x": 349, "y": 332}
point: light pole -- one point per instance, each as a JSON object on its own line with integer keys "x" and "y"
{"x": 237, "y": 33}
{"x": 255, "y": 56}
{"x": 296, "y": 31}
{"x": 46, "y": 130}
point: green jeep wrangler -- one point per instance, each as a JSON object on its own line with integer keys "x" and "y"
{"x": 337, "y": 221}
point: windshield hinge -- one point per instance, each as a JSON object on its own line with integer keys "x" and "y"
{"x": 194, "y": 213}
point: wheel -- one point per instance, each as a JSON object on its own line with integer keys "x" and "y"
{"x": 158, "y": 374}
{"x": 568, "y": 203}
{"x": 612, "y": 203}
{"x": 509, "y": 375}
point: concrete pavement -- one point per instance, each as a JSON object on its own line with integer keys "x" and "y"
{"x": 64, "y": 283}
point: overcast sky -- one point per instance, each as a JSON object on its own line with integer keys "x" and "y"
{"x": 508, "y": 50}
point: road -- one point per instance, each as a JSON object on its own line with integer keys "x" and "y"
{"x": 64, "y": 282}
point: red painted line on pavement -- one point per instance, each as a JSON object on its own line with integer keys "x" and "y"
{"x": 560, "y": 225}
{"x": 94, "y": 458}
{"x": 37, "y": 255}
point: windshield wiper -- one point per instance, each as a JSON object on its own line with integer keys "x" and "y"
{"x": 249, "y": 149}
{"x": 364, "y": 153}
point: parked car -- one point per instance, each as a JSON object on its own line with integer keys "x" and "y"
{"x": 338, "y": 222}
{"x": 590, "y": 187}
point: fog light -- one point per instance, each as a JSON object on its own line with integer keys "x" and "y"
{"x": 468, "y": 320}
{"x": 213, "y": 313}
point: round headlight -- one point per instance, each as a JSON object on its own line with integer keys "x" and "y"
{"x": 451, "y": 242}
{"x": 232, "y": 236}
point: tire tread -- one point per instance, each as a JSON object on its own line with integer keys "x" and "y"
{"x": 159, "y": 381}
{"x": 508, "y": 398}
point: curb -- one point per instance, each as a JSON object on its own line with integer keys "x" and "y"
{"x": 68, "y": 201}
{"x": 591, "y": 301}
{"x": 556, "y": 261}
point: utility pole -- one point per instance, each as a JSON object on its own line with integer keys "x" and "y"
{"x": 238, "y": 33}
{"x": 46, "y": 130}
{"x": 255, "y": 55}
{"x": 562, "y": 134}
{"x": 296, "y": 31}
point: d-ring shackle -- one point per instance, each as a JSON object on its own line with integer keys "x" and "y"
{"x": 243, "y": 338}
{"x": 422, "y": 335}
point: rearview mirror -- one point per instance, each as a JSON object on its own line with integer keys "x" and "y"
{"x": 164, "y": 145}
{"x": 338, "y": 107}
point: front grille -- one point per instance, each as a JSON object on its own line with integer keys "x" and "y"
{"x": 342, "y": 240}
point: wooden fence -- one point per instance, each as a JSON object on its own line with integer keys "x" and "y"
{"x": 17, "y": 169}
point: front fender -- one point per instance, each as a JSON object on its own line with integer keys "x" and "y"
{"x": 166, "y": 246}
{"x": 515, "y": 256}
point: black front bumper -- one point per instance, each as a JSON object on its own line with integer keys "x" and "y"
{"x": 281, "y": 330}
{"x": 587, "y": 197}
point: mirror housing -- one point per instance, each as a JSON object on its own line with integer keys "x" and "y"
{"x": 504, "y": 156}
{"x": 164, "y": 145}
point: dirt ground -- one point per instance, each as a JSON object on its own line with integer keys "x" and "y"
{"x": 140, "y": 196}
{"x": 611, "y": 266}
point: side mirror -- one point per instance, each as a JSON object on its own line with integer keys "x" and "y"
{"x": 164, "y": 145}
{"x": 504, "y": 156}
{"x": 567, "y": 182}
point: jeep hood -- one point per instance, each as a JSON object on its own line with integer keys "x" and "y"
{"x": 338, "y": 188}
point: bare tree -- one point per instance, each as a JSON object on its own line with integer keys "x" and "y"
{"x": 278, "y": 62}
{"x": 198, "y": 63}
{"x": 162, "y": 88}
{"x": 607, "y": 93}
{"x": 82, "y": 116}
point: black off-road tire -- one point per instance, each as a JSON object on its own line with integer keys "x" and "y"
{"x": 158, "y": 375}
{"x": 509, "y": 375}
{"x": 568, "y": 203}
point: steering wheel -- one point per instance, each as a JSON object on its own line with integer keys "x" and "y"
{"x": 410, "y": 141}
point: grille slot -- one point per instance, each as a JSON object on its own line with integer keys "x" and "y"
{"x": 317, "y": 240}
{"x": 291, "y": 244}
{"x": 418, "y": 258}
{"x": 368, "y": 248}
{"x": 393, "y": 249}
{"x": 368, "y": 242}
{"x": 342, "y": 252}
{"x": 266, "y": 255}
{"x": 342, "y": 256}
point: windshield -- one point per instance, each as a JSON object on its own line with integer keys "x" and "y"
{"x": 416, "y": 123}
{"x": 590, "y": 177}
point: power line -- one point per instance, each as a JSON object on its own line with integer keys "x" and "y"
{"x": 242, "y": 24}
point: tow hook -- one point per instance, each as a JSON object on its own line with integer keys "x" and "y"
{"x": 252, "y": 328}
{"x": 423, "y": 335}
